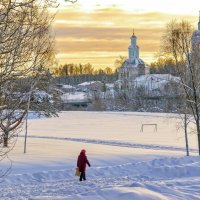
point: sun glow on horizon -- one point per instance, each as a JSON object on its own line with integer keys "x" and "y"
{"x": 98, "y": 31}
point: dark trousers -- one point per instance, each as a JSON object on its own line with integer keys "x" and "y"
{"x": 82, "y": 176}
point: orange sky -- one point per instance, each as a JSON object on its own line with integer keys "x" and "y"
{"x": 99, "y": 32}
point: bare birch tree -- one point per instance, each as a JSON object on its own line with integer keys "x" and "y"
{"x": 26, "y": 53}
{"x": 179, "y": 43}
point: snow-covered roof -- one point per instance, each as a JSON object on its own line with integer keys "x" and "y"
{"x": 110, "y": 85}
{"x": 40, "y": 95}
{"x": 155, "y": 81}
{"x": 74, "y": 96}
{"x": 134, "y": 63}
{"x": 67, "y": 87}
{"x": 88, "y": 83}
{"x": 158, "y": 78}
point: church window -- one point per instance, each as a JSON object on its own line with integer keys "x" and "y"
{"x": 132, "y": 52}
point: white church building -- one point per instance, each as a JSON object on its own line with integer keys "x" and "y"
{"x": 134, "y": 72}
{"x": 133, "y": 66}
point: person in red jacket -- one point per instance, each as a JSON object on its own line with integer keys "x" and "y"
{"x": 81, "y": 164}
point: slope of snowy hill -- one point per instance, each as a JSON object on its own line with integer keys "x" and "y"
{"x": 126, "y": 162}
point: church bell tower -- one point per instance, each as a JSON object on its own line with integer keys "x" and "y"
{"x": 133, "y": 49}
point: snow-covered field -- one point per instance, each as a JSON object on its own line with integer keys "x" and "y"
{"x": 126, "y": 163}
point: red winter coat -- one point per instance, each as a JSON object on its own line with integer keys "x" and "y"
{"x": 82, "y": 161}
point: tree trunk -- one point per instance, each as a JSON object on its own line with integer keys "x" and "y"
{"x": 26, "y": 132}
{"x": 198, "y": 133}
{"x": 5, "y": 140}
{"x": 186, "y": 135}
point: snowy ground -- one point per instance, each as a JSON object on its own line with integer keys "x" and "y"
{"x": 126, "y": 163}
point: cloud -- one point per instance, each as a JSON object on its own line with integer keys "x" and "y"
{"x": 107, "y": 31}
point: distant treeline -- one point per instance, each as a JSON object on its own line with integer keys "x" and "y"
{"x": 77, "y": 73}
{"x": 74, "y": 74}
{"x": 80, "y": 69}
